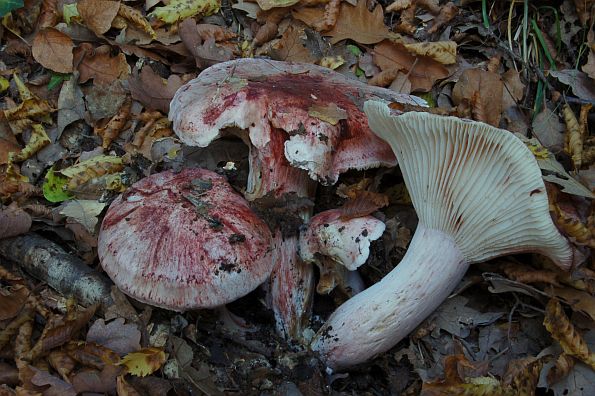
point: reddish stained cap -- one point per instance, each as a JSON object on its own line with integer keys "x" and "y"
{"x": 321, "y": 110}
{"x": 184, "y": 241}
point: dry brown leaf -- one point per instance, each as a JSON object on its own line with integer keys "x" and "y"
{"x": 329, "y": 18}
{"x": 98, "y": 14}
{"x": 137, "y": 19}
{"x": 153, "y": 91}
{"x": 117, "y": 336}
{"x": 363, "y": 204}
{"x": 60, "y": 332}
{"x": 563, "y": 331}
{"x": 447, "y": 12}
{"x": 53, "y": 50}
{"x": 32, "y": 109}
{"x": 567, "y": 219}
{"x": 115, "y": 125}
{"x": 359, "y": 24}
{"x": 124, "y": 388}
{"x": 27, "y": 314}
{"x": 526, "y": 274}
{"x": 407, "y": 21}
{"x": 91, "y": 354}
{"x": 578, "y": 300}
{"x": 103, "y": 381}
{"x": 421, "y": 71}
{"x": 573, "y": 139}
{"x": 444, "y": 52}
{"x": 13, "y": 221}
{"x": 589, "y": 67}
{"x": 12, "y": 299}
{"x": 62, "y": 363}
{"x": 49, "y": 15}
{"x": 398, "y": 5}
{"x": 561, "y": 369}
{"x": 384, "y": 78}
{"x": 290, "y": 47}
{"x": 266, "y": 33}
{"x": 99, "y": 65}
{"x": 57, "y": 387}
{"x": 488, "y": 85}
{"x": 513, "y": 89}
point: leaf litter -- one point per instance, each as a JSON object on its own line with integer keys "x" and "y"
{"x": 86, "y": 90}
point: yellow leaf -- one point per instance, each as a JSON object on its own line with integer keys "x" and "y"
{"x": 559, "y": 326}
{"x": 133, "y": 15}
{"x": 38, "y": 140}
{"x": 92, "y": 168}
{"x": 332, "y": 62}
{"x": 144, "y": 362}
{"x": 444, "y": 52}
{"x": 178, "y": 10}
{"x": 574, "y": 139}
{"x": 4, "y": 84}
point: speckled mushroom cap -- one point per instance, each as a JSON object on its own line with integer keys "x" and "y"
{"x": 345, "y": 242}
{"x": 184, "y": 241}
{"x": 320, "y": 110}
{"x": 477, "y": 183}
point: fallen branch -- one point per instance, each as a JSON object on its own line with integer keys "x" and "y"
{"x": 48, "y": 262}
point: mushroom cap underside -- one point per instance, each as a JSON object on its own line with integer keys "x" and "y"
{"x": 475, "y": 182}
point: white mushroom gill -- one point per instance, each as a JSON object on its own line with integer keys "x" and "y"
{"x": 478, "y": 193}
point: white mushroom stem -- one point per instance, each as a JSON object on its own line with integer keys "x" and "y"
{"x": 374, "y": 320}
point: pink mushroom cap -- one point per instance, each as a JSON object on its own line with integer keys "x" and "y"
{"x": 320, "y": 110}
{"x": 184, "y": 241}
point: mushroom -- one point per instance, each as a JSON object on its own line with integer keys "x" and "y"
{"x": 184, "y": 241}
{"x": 330, "y": 239}
{"x": 478, "y": 193}
{"x": 292, "y": 117}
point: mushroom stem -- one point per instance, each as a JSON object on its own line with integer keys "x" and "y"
{"x": 376, "y": 319}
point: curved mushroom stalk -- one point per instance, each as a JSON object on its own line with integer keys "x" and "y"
{"x": 478, "y": 193}
{"x": 368, "y": 323}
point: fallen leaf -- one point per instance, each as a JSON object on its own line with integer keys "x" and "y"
{"x": 54, "y": 187}
{"x": 422, "y": 71}
{"x": 37, "y": 140}
{"x": 84, "y": 212}
{"x": 513, "y": 89}
{"x": 444, "y": 52}
{"x": 178, "y": 10}
{"x": 548, "y": 129}
{"x": 57, "y": 387}
{"x": 99, "y": 65}
{"x": 589, "y": 67}
{"x": 359, "y": 24}
{"x": 290, "y": 47}
{"x": 71, "y": 106}
{"x": 53, "y": 49}
{"x": 98, "y": 14}
{"x": 577, "y": 299}
{"x": 488, "y": 87}
{"x": 117, "y": 336}
{"x": 59, "y": 333}
{"x": 12, "y": 298}
{"x": 13, "y": 221}
{"x": 330, "y": 113}
{"x": 144, "y": 362}
{"x": 563, "y": 331}
{"x": 103, "y": 381}
{"x": 581, "y": 85}
{"x": 152, "y": 90}
{"x": 124, "y": 388}
{"x": 268, "y": 4}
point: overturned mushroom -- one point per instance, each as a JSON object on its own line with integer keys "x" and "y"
{"x": 184, "y": 241}
{"x": 329, "y": 239}
{"x": 478, "y": 193}
{"x": 291, "y": 116}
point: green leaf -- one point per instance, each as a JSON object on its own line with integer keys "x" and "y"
{"x": 56, "y": 80}
{"x": 7, "y": 6}
{"x": 354, "y": 49}
{"x": 53, "y": 186}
